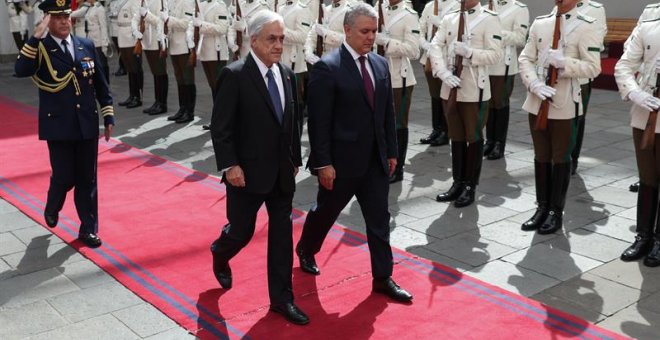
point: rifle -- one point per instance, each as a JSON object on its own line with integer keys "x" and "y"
{"x": 239, "y": 35}
{"x": 162, "y": 45}
{"x": 319, "y": 39}
{"x": 381, "y": 23}
{"x": 551, "y": 80}
{"x": 192, "y": 58}
{"x": 427, "y": 66}
{"x": 491, "y": 6}
{"x": 275, "y": 6}
{"x": 648, "y": 139}
{"x": 458, "y": 60}
{"x": 137, "y": 50}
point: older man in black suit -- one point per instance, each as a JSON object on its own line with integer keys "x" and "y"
{"x": 67, "y": 71}
{"x": 256, "y": 140}
{"x": 353, "y": 141}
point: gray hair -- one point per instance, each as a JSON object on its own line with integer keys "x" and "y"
{"x": 263, "y": 17}
{"x": 359, "y": 9}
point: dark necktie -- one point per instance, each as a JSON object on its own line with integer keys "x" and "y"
{"x": 366, "y": 79}
{"x": 66, "y": 49}
{"x": 274, "y": 95}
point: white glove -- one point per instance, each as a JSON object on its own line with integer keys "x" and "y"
{"x": 233, "y": 47}
{"x": 143, "y": 11}
{"x": 312, "y": 58}
{"x": 164, "y": 16}
{"x": 644, "y": 100}
{"x": 541, "y": 90}
{"x": 239, "y": 25}
{"x": 450, "y": 79}
{"x": 197, "y": 21}
{"x": 189, "y": 39}
{"x": 137, "y": 34}
{"x": 425, "y": 45}
{"x": 382, "y": 38}
{"x": 462, "y": 49}
{"x": 556, "y": 58}
{"x": 320, "y": 30}
{"x": 657, "y": 65}
{"x": 436, "y": 20}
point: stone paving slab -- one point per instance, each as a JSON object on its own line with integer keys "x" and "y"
{"x": 635, "y": 322}
{"x": 551, "y": 261}
{"x": 29, "y": 288}
{"x": 29, "y": 319}
{"x": 512, "y": 278}
{"x": 32, "y": 236}
{"x": 145, "y": 320}
{"x": 34, "y": 259}
{"x": 104, "y": 327}
{"x": 631, "y": 274}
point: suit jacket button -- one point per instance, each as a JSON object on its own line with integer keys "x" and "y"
{"x": 77, "y": 106}
{"x": 49, "y": 115}
{"x": 74, "y": 69}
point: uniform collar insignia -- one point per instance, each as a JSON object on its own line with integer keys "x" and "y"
{"x": 393, "y": 8}
{"x": 471, "y": 11}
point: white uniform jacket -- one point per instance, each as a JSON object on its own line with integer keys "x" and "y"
{"x": 483, "y": 35}
{"x": 333, "y": 20}
{"x": 580, "y": 41}
{"x": 297, "y": 25}
{"x": 213, "y": 32}
{"x": 153, "y": 25}
{"x": 514, "y": 17}
{"x": 425, "y": 25}
{"x": 402, "y": 25}
{"x": 641, "y": 54}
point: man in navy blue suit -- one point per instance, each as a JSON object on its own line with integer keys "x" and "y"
{"x": 68, "y": 74}
{"x": 353, "y": 145}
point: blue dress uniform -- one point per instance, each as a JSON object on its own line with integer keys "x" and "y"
{"x": 69, "y": 82}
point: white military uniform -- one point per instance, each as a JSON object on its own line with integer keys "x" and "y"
{"x": 596, "y": 10}
{"x": 97, "y": 27}
{"x": 514, "y": 17}
{"x": 650, "y": 12}
{"x": 38, "y": 13}
{"x": 426, "y": 26}
{"x": 79, "y": 17}
{"x": 213, "y": 32}
{"x": 333, "y": 21}
{"x": 402, "y": 25}
{"x": 581, "y": 45}
{"x": 312, "y": 7}
{"x": 16, "y": 23}
{"x": 126, "y": 10}
{"x": 180, "y": 17}
{"x": 153, "y": 25}
{"x": 248, "y": 10}
{"x": 640, "y": 55}
{"x": 297, "y": 25}
{"x": 484, "y": 37}
{"x": 113, "y": 13}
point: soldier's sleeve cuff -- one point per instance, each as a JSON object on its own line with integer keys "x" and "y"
{"x": 108, "y": 115}
{"x": 29, "y": 51}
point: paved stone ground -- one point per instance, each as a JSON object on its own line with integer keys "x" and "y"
{"x": 44, "y": 283}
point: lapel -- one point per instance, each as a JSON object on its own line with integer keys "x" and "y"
{"x": 379, "y": 72}
{"x": 55, "y": 50}
{"x": 352, "y": 68}
{"x": 257, "y": 78}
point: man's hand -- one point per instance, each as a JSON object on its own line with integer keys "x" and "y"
{"x": 462, "y": 49}
{"x": 644, "y": 100}
{"x": 392, "y": 163}
{"x": 41, "y": 29}
{"x": 327, "y": 177}
{"x": 107, "y": 132}
{"x": 235, "y": 176}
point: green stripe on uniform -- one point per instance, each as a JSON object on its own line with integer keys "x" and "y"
{"x": 480, "y": 120}
{"x": 497, "y": 37}
{"x": 594, "y": 49}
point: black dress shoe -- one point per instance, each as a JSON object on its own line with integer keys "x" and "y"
{"x": 428, "y": 139}
{"x": 553, "y": 223}
{"x": 135, "y": 102}
{"x": 206, "y": 127}
{"x": 466, "y": 197}
{"x": 151, "y": 108}
{"x": 634, "y": 187}
{"x": 653, "y": 257}
{"x": 90, "y": 239}
{"x": 177, "y": 115}
{"x": 390, "y": 288}
{"x": 222, "y": 273}
{"x": 125, "y": 102}
{"x": 497, "y": 152}
{"x": 488, "y": 147}
{"x": 51, "y": 219}
{"x": 307, "y": 263}
{"x": 158, "y": 109}
{"x": 442, "y": 139}
{"x": 452, "y": 194}
{"x": 535, "y": 222}
{"x": 120, "y": 72}
{"x": 187, "y": 117}
{"x": 291, "y": 312}
{"x": 640, "y": 248}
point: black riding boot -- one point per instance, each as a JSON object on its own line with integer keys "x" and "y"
{"x": 542, "y": 177}
{"x": 578, "y": 143}
{"x": 561, "y": 176}
{"x": 402, "y": 144}
{"x": 134, "y": 89}
{"x": 161, "y": 95}
{"x": 474, "y": 159}
{"x": 647, "y": 209}
{"x": 191, "y": 97}
{"x": 458, "y": 153}
{"x": 491, "y": 132}
{"x": 181, "y": 89}
{"x": 153, "y": 107}
{"x": 439, "y": 134}
{"x": 501, "y": 130}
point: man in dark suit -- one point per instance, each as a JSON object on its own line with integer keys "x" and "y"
{"x": 354, "y": 149}
{"x": 254, "y": 128}
{"x": 68, "y": 74}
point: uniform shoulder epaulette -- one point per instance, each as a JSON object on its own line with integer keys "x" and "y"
{"x": 411, "y": 10}
{"x": 520, "y": 4}
{"x": 653, "y": 5}
{"x": 490, "y": 12}
{"x": 650, "y": 20}
{"x": 595, "y": 4}
{"x": 545, "y": 16}
{"x": 302, "y": 5}
{"x": 586, "y": 18}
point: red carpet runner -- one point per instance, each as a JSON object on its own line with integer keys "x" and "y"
{"x": 157, "y": 220}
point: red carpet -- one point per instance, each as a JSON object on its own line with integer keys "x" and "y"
{"x": 157, "y": 220}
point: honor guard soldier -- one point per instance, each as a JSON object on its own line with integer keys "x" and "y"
{"x": 400, "y": 40}
{"x": 154, "y": 46}
{"x": 127, "y": 10}
{"x": 594, "y": 10}
{"x": 239, "y": 24}
{"x": 312, "y": 7}
{"x": 642, "y": 56}
{"x": 212, "y": 50}
{"x": 17, "y": 14}
{"x": 650, "y": 12}
{"x": 296, "y": 27}
{"x": 577, "y": 56}
{"x": 467, "y": 111}
{"x": 95, "y": 26}
{"x": 514, "y": 17}
{"x": 66, "y": 71}
{"x": 78, "y": 18}
{"x": 113, "y": 13}
{"x": 428, "y": 25}
{"x": 178, "y": 21}
{"x": 332, "y": 31}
